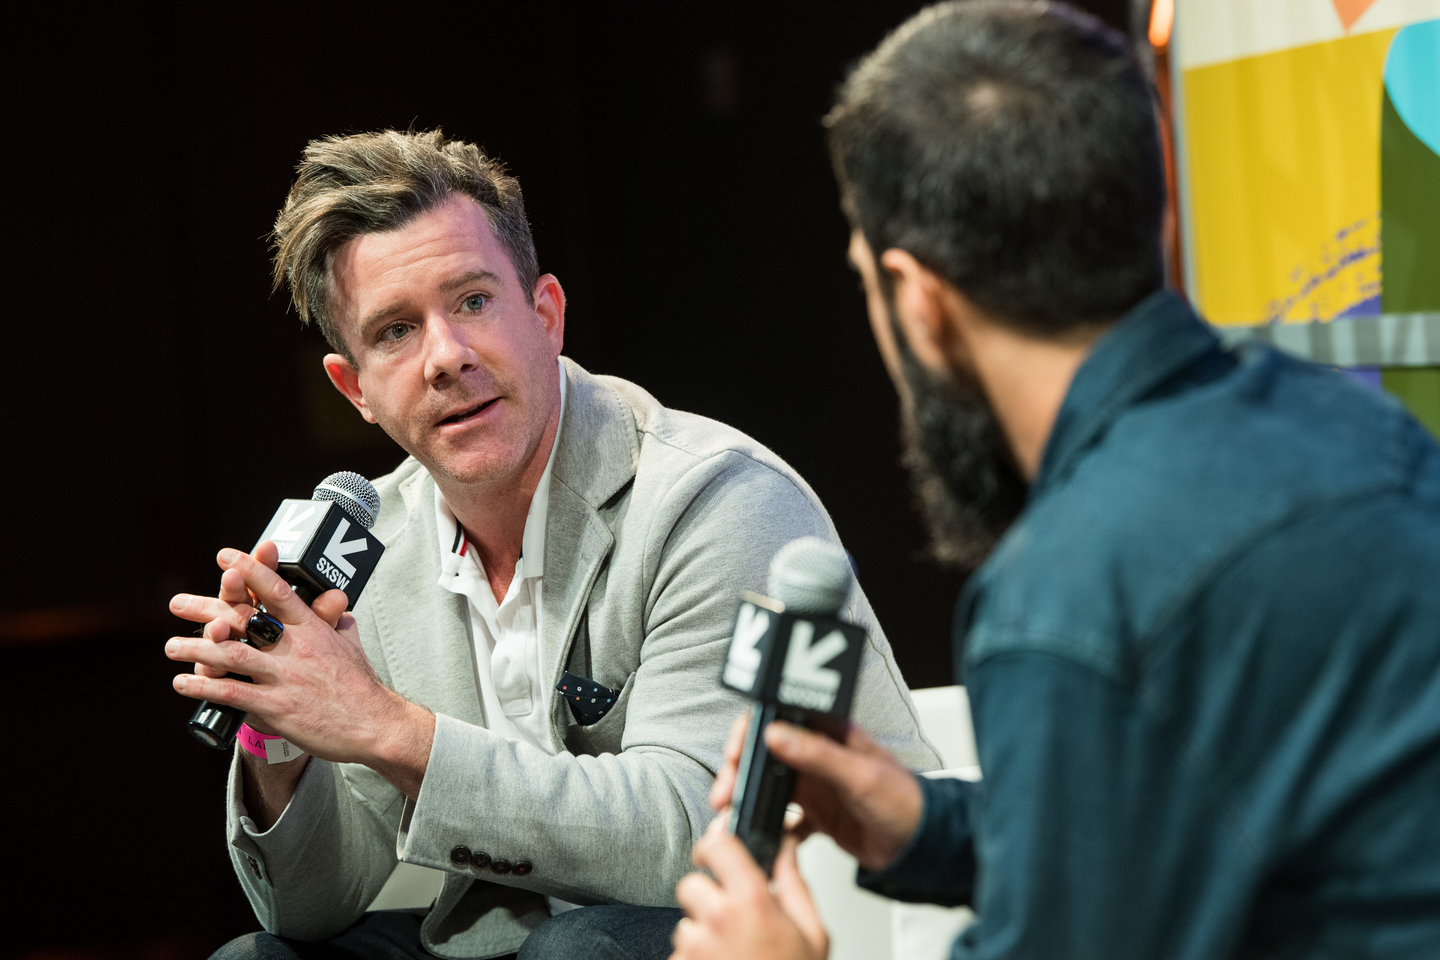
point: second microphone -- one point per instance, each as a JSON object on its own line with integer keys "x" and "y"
{"x": 799, "y": 662}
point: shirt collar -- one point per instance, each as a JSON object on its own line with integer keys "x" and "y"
{"x": 1145, "y": 348}
{"x": 455, "y": 546}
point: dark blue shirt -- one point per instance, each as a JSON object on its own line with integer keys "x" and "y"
{"x": 1204, "y": 667}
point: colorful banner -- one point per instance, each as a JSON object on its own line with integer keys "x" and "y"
{"x": 1310, "y": 157}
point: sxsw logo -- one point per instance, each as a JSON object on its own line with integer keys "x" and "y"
{"x": 323, "y": 546}
{"x": 292, "y": 528}
{"x": 743, "y": 663}
{"x": 801, "y": 661}
{"x": 332, "y": 565}
{"x": 805, "y": 680}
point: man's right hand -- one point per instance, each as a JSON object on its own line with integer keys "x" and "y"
{"x": 856, "y": 791}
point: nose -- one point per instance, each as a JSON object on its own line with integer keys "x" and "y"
{"x": 447, "y": 351}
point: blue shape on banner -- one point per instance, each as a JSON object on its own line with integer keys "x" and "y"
{"x": 1412, "y": 78}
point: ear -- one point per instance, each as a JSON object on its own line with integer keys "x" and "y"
{"x": 550, "y": 308}
{"x": 346, "y": 378}
{"x": 922, "y": 308}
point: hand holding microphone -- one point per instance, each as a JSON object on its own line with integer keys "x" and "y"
{"x": 799, "y": 663}
{"x": 322, "y": 544}
{"x": 848, "y": 785}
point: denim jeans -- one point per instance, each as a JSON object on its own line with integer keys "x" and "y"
{"x": 611, "y": 932}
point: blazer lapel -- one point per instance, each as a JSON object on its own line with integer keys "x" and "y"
{"x": 597, "y": 458}
{"x": 436, "y": 666}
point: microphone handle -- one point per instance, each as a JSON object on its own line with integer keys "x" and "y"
{"x": 764, "y": 786}
{"x": 215, "y": 724}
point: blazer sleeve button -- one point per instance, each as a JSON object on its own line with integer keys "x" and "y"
{"x": 479, "y": 860}
{"x": 523, "y": 867}
{"x": 500, "y": 866}
{"x": 460, "y": 855}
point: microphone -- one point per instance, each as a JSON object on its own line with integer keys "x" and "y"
{"x": 324, "y": 544}
{"x": 790, "y": 654}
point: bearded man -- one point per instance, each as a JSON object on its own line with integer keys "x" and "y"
{"x": 1203, "y": 650}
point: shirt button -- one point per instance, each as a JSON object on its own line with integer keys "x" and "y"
{"x": 501, "y": 866}
{"x": 460, "y": 855}
{"x": 523, "y": 867}
{"x": 479, "y": 860}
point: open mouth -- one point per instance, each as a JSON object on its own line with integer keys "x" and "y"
{"x": 464, "y": 415}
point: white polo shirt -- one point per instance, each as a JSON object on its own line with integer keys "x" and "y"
{"x": 507, "y": 636}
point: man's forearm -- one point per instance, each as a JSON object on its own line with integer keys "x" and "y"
{"x": 403, "y": 752}
{"x": 399, "y": 754}
{"x": 939, "y": 865}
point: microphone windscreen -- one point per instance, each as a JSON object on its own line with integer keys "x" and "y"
{"x": 811, "y": 577}
{"x": 355, "y": 495}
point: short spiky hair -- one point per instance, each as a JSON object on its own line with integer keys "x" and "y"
{"x": 346, "y": 187}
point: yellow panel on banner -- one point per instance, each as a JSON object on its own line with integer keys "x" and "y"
{"x": 1285, "y": 181}
{"x": 1282, "y": 108}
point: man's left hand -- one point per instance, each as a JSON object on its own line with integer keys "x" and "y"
{"x": 737, "y": 915}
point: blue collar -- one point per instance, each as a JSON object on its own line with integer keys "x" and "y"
{"x": 1157, "y": 339}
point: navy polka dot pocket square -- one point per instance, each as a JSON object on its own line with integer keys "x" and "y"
{"x": 589, "y": 701}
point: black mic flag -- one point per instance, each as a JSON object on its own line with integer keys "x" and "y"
{"x": 798, "y": 661}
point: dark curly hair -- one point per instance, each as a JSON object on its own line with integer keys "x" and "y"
{"x": 1011, "y": 147}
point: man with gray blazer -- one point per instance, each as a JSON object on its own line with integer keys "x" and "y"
{"x": 527, "y": 697}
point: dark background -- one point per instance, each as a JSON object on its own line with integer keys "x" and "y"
{"x": 160, "y": 399}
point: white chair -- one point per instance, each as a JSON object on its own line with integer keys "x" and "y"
{"x": 410, "y": 887}
{"x": 862, "y": 925}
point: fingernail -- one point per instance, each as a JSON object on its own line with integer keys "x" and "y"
{"x": 229, "y": 556}
{"x": 172, "y": 646}
{"x": 181, "y": 682}
{"x": 179, "y": 602}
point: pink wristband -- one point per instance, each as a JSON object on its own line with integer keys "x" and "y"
{"x": 260, "y": 744}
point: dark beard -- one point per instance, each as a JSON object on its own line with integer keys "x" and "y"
{"x": 966, "y": 482}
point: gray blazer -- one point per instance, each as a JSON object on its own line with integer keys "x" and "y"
{"x": 657, "y": 520}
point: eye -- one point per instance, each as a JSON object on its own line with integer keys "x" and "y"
{"x": 395, "y": 331}
{"x": 474, "y": 302}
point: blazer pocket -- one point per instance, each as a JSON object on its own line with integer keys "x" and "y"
{"x": 606, "y": 734}
{"x": 588, "y": 700}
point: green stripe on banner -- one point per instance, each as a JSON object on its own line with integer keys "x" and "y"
{"x": 1419, "y": 389}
